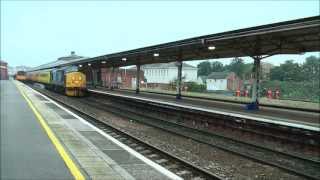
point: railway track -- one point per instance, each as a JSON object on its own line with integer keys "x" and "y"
{"x": 294, "y": 164}
{"x": 173, "y": 163}
{"x": 218, "y": 123}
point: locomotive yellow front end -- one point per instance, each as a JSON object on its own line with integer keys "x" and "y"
{"x": 75, "y": 84}
{"x": 21, "y": 76}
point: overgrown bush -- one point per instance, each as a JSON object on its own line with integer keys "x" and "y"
{"x": 194, "y": 87}
{"x": 305, "y": 90}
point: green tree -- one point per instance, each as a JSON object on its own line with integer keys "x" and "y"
{"x": 289, "y": 71}
{"x": 295, "y": 81}
{"x": 217, "y": 66}
{"x": 237, "y": 66}
{"x": 276, "y": 73}
{"x": 204, "y": 68}
{"x": 292, "y": 71}
{"x": 247, "y": 70}
{"x": 311, "y": 69}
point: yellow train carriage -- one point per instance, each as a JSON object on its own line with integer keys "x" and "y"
{"x": 31, "y": 76}
{"x": 44, "y": 77}
{"x": 75, "y": 84}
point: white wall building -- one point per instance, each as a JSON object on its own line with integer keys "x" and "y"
{"x": 222, "y": 81}
{"x": 167, "y": 72}
{"x": 216, "y": 84}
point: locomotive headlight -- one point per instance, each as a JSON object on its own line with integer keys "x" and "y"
{"x": 211, "y": 48}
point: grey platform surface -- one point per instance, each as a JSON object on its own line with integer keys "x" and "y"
{"x": 26, "y": 151}
{"x": 98, "y": 156}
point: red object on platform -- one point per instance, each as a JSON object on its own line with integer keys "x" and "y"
{"x": 238, "y": 93}
{"x": 277, "y": 94}
{"x": 269, "y": 94}
{"x": 246, "y": 93}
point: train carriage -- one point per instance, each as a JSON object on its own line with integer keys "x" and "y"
{"x": 44, "y": 77}
{"x": 57, "y": 80}
{"x": 67, "y": 80}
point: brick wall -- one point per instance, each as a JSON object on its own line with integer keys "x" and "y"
{"x": 122, "y": 78}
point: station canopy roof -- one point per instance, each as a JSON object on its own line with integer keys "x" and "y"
{"x": 289, "y": 37}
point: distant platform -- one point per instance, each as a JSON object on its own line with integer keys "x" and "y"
{"x": 294, "y": 118}
{"x": 28, "y": 153}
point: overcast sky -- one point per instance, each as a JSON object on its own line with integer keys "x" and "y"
{"x": 35, "y": 32}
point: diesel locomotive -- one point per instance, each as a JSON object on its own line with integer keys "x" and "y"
{"x": 68, "y": 80}
{"x": 20, "y": 75}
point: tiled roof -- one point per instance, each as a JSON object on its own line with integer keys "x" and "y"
{"x": 218, "y": 75}
{"x": 167, "y": 65}
{"x": 60, "y": 62}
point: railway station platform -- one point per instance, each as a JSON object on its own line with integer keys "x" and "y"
{"x": 40, "y": 139}
{"x": 291, "y": 117}
{"x": 26, "y": 151}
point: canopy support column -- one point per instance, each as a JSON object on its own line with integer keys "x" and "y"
{"x": 179, "y": 79}
{"x": 111, "y": 79}
{"x": 93, "y": 77}
{"x": 256, "y": 83}
{"x": 138, "y": 79}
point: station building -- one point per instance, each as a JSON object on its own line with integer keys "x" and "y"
{"x": 165, "y": 73}
{"x": 3, "y": 70}
{"x": 223, "y": 81}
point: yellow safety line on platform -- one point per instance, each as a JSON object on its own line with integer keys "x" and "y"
{"x": 63, "y": 153}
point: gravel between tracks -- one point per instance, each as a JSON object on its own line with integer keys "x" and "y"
{"x": 222, "y": 163}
